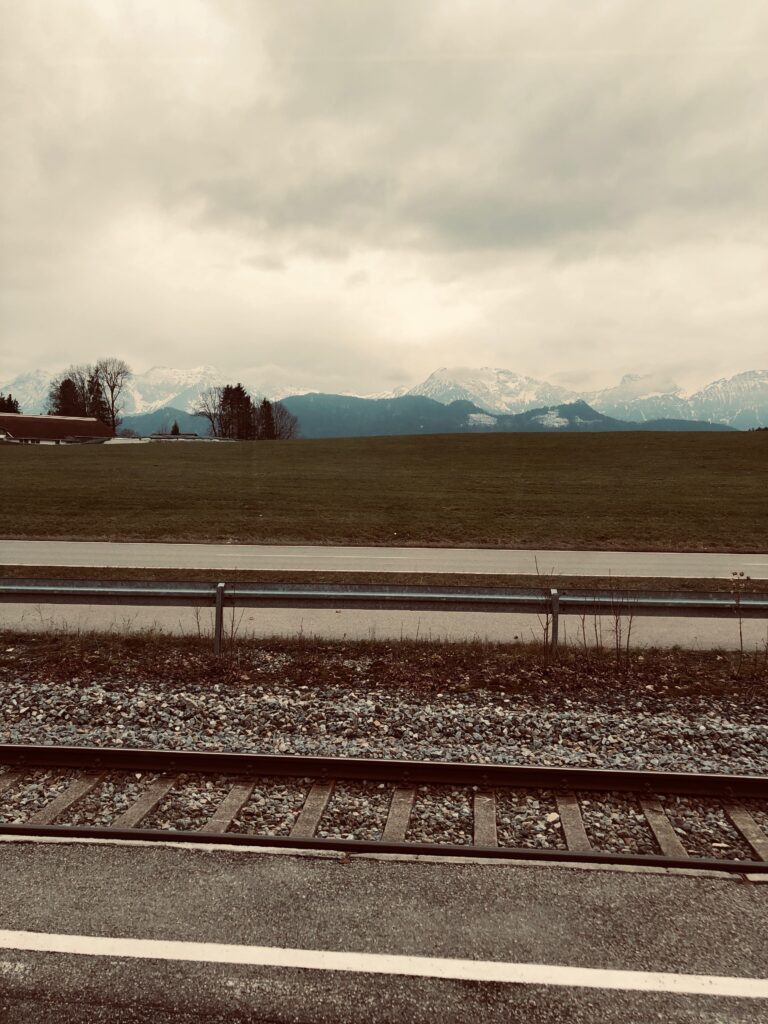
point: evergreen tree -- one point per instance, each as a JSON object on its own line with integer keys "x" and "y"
{"x": 96, "y": 403}
{"x": 68, "y": 394}
{"x": 175, "y": 429}
{"x": 237, "y": 415}
{"x": 65, "y": 399}
{"x": 8, "y": 403}
{"x": 266, "y": 428}
{"x": 232, "y": 413}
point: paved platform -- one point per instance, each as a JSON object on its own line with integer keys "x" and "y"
{"x": 500, "y": 919}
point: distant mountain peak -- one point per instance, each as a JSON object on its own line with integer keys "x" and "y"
{"x": 740, "y": 401}
{"x": 493, "y": 389}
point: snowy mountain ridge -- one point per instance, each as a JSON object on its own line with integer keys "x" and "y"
{"x": 740, "y": 401}
{"x": 495, "y": 390}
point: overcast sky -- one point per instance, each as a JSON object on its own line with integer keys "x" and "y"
{"x": 350, "y": 194}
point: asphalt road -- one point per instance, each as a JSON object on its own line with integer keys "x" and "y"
{"x": 695, "y": 633}
{"x": 381, "y": 559}
{"x": 652, "y": 924}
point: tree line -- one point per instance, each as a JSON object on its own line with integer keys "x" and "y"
{"x": 91, "y": 390}
{"x": 232, "y": 413}
{"x": 8, "y": 403}
{"x": 96, "y": 389}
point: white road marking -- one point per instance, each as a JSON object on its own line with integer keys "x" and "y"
{"x": 384, "y": 963}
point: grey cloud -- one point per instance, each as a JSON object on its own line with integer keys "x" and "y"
{"x": 495, "y": 154}
{"x": 455, "y": 141}
{"x": 452, "y": 154}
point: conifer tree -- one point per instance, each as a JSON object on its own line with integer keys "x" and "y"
{"x": 8, "y": 403}
{"x": 237, "y": 414}
{"x": 66, "y": 399}
{"x": 266, "y": 430}
{"x": 96, "y": 403}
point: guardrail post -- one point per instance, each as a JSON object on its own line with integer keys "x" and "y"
{"x": 554, "y": 598}
{"x": 218, "y": 624}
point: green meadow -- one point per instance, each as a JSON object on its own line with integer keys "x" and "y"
{"x": 681, "y": 491}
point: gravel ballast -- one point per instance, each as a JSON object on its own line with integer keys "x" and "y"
{"x": 113, "y": 796}
{"x": 190, "y": 804}
{"x": 441, "y": 814}
{"x": 759, "y": 812}
{"x": 671, "y": 712}
{"x": 356, "y": 810}
{"x": 31, "y": 792}
{"x": 615, "y": 822}
{"x": 704, "y": 830}
{"x": 528, "y": 820}
{"x": 705, "y": 734}
{"x": 272, "y": 808}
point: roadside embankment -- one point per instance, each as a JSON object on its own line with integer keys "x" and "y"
{"x": 659, "y": 710}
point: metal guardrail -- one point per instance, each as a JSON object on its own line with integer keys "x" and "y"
{"x": 552, "y": 603}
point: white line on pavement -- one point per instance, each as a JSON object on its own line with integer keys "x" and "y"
{"x": 382, "y": 963}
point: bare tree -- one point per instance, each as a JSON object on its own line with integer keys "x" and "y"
{"x": 113, "y": 375}
{"x": 286, "y": 424}
{"x": 209, "y": 406}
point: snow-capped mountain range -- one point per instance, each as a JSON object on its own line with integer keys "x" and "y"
{"x": 740, "y": 401}
{"x": 497, "y": 391}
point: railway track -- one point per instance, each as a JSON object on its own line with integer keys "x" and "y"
{"x": 360, "y": 806}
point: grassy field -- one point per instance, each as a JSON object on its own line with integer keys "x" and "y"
{"x": 634, "y": 491}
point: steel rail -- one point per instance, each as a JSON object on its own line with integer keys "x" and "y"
{"x": 551, "y": 602}
{"x": 385, "y": 770}
{"x": 375, "y": 846}
{"x": 480, "y": 776}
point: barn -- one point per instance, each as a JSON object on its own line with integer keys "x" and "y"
{"x": 22, "y": 429}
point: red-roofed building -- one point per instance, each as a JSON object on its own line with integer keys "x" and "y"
{"x": 22, "y": 429}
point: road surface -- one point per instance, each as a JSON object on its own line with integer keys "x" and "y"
{"x": 701, "y": 633}
{"x": 223, "y": 935}
{"x": 380, "y": 559}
